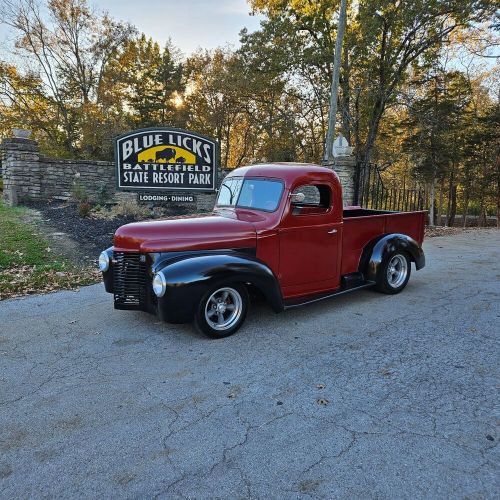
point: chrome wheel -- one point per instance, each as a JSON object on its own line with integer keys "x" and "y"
{"x": 223, "y": 308}
{"x": 397, "y": 271}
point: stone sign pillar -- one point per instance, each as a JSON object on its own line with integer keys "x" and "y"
{"x": 344, "y": 164}
{"x": 345, "y": 168}
{"x": 20, "y": 170}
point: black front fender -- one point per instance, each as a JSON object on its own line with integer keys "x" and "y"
{"x": 376, "y": 251}
{"x": 189, "y": 278}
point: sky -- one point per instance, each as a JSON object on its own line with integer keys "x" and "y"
{"x": 189, "y": 23}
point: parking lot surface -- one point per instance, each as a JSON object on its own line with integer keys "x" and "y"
{"x": 366, "y": 395}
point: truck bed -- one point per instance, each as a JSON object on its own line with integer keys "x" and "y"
{"x": 362, "y": 225}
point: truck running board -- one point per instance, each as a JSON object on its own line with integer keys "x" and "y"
{"x": 310, "y": 299}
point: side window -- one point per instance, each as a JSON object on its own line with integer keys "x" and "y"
{"x": 311, "y": 199}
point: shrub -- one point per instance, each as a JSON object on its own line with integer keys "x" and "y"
{"x": 79, "y": 193}
{"x": 84, "y": 209}
{"x": 130, "y": 208}
{"x": 102, "y": 194}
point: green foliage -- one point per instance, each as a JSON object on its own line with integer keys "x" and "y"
{"x": 79, "y": 193}
{"x": 102, "y": 194}
{"x": 154, "y": 76}
{"x": 435, "y": 122}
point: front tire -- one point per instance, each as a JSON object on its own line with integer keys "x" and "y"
{"x": 394, "y": 273}
{"x": 222, "y": 310}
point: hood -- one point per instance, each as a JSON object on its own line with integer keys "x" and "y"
{"x": 196, "y": 233}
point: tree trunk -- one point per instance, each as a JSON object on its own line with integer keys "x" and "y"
{"x": 448, "y": 204}
{"x": 345, "y": 102}
{"x": 228, "y": 145}
{"x": 440, "y": 203}
{"x": 432, "y": 201}
{"x": 482, "y": 216}
{"x": 498, "y": 196}
{"x": 357, "y": 137}
{"x": 466, "y": 207}
{"x": 453, "y": 207}
{"x": 373, "y": 131}
{"x": 451, "y": 210}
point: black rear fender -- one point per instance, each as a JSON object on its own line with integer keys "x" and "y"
{"x": 374, "y": 253}
{"x": 189, "y": 279}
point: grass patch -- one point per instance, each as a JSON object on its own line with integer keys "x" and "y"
{"x": 27, "y": 263}
{"x": 19, "y": 243}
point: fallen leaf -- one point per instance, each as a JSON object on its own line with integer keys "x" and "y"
{"x": 385, "y": 372}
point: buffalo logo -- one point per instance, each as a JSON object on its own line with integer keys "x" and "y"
{"x": 166, "y": 154}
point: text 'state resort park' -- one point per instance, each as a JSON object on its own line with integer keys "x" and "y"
{"x": 166, "y": 158}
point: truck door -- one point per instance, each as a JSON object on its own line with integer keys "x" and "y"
{"x": 310, "y": 241}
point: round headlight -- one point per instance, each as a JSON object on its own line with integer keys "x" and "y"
{"x": 104, "y": 261}
{"x": 159, "y": 284}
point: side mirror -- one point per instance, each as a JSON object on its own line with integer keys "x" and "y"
{"x": 297, "y": 198}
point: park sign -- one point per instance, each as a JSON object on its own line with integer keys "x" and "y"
{"x": 165, "y": 158}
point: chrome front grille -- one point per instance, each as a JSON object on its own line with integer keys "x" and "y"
{"x": 130, "y": 277}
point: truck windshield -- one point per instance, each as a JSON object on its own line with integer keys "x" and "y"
{"x": 259, "y": 194}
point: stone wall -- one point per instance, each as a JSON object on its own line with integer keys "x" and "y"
{"x": 29, "y": 176}
{"x": 59, "y": 177}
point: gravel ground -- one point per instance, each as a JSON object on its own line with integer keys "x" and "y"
{"x": 80, "y": 237}
{"x": 91, "y": 235}
{"x": 364, "y": 396}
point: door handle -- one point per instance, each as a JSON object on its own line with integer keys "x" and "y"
{"x": 333, "y": 231}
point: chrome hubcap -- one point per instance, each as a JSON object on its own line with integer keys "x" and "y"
{"x": 223, "y": 308}
{"x": 397, "y": 270}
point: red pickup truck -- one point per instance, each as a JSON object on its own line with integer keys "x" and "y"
{"x": 278, "y": 229}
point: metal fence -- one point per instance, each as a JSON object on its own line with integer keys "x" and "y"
{"x": 374, "y": 193}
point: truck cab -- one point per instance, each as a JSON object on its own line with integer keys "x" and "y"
{"x": 281, "y": 229}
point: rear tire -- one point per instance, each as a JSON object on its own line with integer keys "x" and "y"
{"x": 394, "y": 273}
{"x": 222, "y": 310}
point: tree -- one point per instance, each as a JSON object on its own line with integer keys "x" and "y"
{"x": 68, "y": 55}
{"x": 384, "y": 38}
{"x": 436, "y": 118}
{"x": 217, "y": 98}
{"x": 482, "y": 162}
{"x": 152, "y": 80}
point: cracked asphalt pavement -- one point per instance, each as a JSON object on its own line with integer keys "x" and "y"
{"x": 366, "y": 395}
